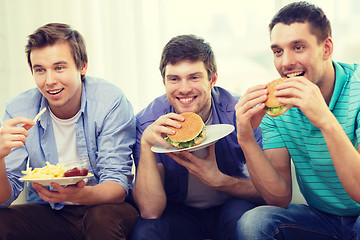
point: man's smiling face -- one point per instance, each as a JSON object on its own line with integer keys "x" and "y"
{"x": 188, "y": 88}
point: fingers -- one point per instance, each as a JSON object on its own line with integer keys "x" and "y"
{"x": 250, "y": 106}
{"x": 11, "y": 126}
{"x": 17, "y": 121}
{"x": 12, "y": 135}
{"x": 164, "y": 125}
{"x": 211, "y": 150}
{"x": 62, "y": 193}
{"x": 253, "y": 97}
{"x": 182, "y": 158}
{"x": 298, "y": 91}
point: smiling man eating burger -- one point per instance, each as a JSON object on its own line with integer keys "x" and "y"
{"x": 175, "y": 193}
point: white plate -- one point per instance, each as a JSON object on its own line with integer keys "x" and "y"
{"x": 213, "y": 134}
{"x": 64, "y": 181}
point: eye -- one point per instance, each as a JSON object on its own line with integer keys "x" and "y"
{"x": 299, "y": 48}
{"x": 172, "y": 78}
{"x": 59, "y": 68}
{"x": 39, "y": 70}
{"x": 277, "y": 52}
{"x": 195, "y": 77}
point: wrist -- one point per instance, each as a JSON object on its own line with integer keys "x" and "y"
{"x": 144, "y": 144}
{"x": 329, "y": 125}
{"x": 245, "y": 141}
{"x": 218, "y": 180}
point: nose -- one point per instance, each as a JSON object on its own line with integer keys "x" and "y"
{"x": 288, "y": 60}
{"x": 185, "y": 86}
{"x": 50, "y": 78}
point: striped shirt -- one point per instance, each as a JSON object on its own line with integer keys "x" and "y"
{"x": 315, "y": 172}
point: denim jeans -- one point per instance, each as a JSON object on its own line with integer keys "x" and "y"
{"x": 183, "y": 222}
{"x": 296, "y": 222}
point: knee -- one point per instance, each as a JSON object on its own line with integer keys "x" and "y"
{"x": 150, "y": 229}
{"x": 110, "y": 218}
{"x": 255, "y": 223}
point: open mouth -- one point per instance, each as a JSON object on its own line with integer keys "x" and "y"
{"x": 295, "y": 74}
{"x": 54, "y": 92}
{"x": 186, "y": 99}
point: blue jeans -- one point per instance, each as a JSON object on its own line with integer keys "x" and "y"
{"x": 296, "y": 222}
{"x": 183, "y": 222}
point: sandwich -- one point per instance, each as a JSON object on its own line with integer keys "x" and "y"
{"x": 273, "y": 107}
{"x": 191, "y": 133}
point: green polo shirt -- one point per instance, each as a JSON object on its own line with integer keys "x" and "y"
{"x": 315, "y": 172}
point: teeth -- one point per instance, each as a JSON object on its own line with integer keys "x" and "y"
{"x": 185, "y": 99}
{"x": 294, "y": 74}
{"x": 55, "y": 92}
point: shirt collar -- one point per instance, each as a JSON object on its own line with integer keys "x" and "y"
{"x": 340, "y": 79}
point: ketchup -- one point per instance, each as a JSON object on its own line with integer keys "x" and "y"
{"x": 76, "y": 172}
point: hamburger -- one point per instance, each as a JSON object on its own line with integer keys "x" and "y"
{"x": 273, "y": 107}
{"x": 191, "y": 133}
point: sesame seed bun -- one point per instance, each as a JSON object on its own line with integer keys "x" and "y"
{"x": 272, "y": 101}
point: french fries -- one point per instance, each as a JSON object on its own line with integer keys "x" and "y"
{"x": 49, "y": 171}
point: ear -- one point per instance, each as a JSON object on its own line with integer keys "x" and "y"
{"x": 328, "y": 48}
{"x": 84, "y": 68}
{"x": 213, "y": 80}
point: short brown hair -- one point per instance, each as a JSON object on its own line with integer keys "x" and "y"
{"x": 188, "y": 48}
{"x": 53, "y": 33}
{"x": 304, "y": 12}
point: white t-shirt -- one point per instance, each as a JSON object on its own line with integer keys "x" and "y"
{"x": 64, "y": 131}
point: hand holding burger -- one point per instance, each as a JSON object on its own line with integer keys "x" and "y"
{"x": 191, "y": 133}
{"x": 273, "y": 107}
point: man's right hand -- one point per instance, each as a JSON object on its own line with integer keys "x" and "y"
{"x": 155, "y": 132}
{"x": 12, "y": 136}
{"x": 249, "y": 111}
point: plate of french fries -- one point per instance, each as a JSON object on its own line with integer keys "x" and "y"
{"x": 54, "y": 173}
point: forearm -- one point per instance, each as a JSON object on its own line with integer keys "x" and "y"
{"x": 148, "y": 191}
{"x": 345, "y": 157}
{"x": 5, "y": 187}
{"x": 272, "y": 186}
{"x": 238, "y": 187}
{"x": 106, "y": 192}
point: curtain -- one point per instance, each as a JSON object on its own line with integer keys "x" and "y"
{"x": 115, "y": 33}
{"x": 125, "y": 38}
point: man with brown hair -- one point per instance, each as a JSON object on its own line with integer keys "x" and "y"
{"x": 86, "y": 118}
{"x": 192, "y": 195}
{"x": 320, "y": 134}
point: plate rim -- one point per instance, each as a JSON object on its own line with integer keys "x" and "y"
{"x": 38, "y": 180}
{"x": 194, "y": 148}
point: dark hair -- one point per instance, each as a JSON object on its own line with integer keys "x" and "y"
{"x": 190, "y": 48}
{"x": 304, "y": 12}
{"x": 53, "y": 33}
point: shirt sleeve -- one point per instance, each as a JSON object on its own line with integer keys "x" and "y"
{"x": 271, "y": 135}
{"x": 15, "y": 162}
{"x": 115, "y": 143}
